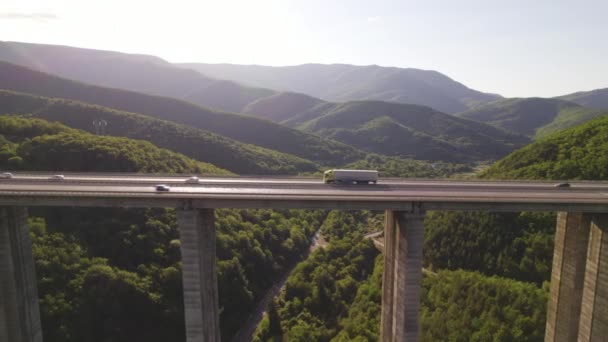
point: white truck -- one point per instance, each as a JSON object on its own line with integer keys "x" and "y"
{"x": 350, "y": 176}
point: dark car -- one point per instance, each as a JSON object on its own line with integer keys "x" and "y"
{"x": 163, "y": 187}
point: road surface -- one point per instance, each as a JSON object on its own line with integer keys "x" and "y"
{"x": 297, "y": 192}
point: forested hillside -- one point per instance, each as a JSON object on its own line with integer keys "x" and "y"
{"x": 378, "y": 127}
{"x": 597, "y": 98}
{"x": 290, "y": 109}
{"x": 577, "y": 153}
{"x": 37, "y": 145}
{"x": 390, "y": 128}
{"x": 343, "y": 82}
{"x": 195, "y": 143}
{"x": 412, "y": 131}
{"x": 534, "y": 117}
{"x": 115, "y": 274}
{"x": 238, "y": 127}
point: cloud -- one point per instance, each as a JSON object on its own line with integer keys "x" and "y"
{"x": 28, "y": 16}
{"x": 374, "y": 19}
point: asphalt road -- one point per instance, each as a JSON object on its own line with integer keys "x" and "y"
{"x": 294, "y": 189}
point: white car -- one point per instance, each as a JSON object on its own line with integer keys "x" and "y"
{"x": 57, "y": 177}
{"x": 193, "y": 180}
{"x": 6, "y": 175}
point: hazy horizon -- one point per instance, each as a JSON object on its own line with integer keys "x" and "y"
{"x": 516, "y": 49}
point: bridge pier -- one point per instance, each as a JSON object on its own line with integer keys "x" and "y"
{"x": 594, "y": 312}
{"x": 19, "y": 311}
{"x": 199, "y": 274}
{"x": 404, "y": 237}
{"x": 567, "y": 277}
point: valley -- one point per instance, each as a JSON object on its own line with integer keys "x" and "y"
{"x": 106, "y": 273}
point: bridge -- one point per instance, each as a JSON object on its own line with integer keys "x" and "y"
{"x": 578, "y": 302}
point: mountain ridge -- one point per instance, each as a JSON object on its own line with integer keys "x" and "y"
{"x": 534, "y": 117}
{"x": 243, "y": 128}
{"x": 195, "y": 143}
{"x": 597, "y": 98}
{"x": 344, "y": 82}
{"x": 136, "y": 72}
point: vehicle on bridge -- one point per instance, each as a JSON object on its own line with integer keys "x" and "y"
{"x": 163, "y": 187}
{"x": 350, "y": 176}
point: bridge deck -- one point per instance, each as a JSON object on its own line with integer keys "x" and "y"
{"x": 109, "y": 190}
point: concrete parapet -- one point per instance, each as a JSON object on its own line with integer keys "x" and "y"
{"x": 197, "y": 236}
{"x": 19, "y": 311}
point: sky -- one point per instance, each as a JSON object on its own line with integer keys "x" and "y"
{"x": 516, "y": 48}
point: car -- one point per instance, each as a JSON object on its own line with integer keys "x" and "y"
{"x": 6, "y": 175}
{"x": 163, "y": 187}
{"x": 192, "y": 180}
{"x": 57, "y": 177}
{"x": 562, "y": 185}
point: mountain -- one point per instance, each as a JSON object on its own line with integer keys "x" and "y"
{"x": 580, "y": 152}
{"x": 287, "y": 108}
{"x": 533, "y": 117}
{"x": 34, "y": 144}
{"x": 597, "y": 98}
{"x": 141, "y": 73}
{"x": 242, "y": 128}
{"x": 195, "y": 143}
{"x": 342, "y": 82}
{"x": 391, "y": 128}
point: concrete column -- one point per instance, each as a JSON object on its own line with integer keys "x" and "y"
{"x": 19, "y": 311}
{"x": 594, "y": 312}
{"x": 388, "y": 278}
{"x": 402, "y": 300}
{"x": 567, "y": 277}
{"x": 197, "y": 237}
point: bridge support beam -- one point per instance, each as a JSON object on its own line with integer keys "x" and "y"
{"x": 404, "y": 237}
{"x": 567, "y": 277}
{"x": 19, "y": 311}
{"x": 197, "y": 237}
{"x": 594, "y": 312}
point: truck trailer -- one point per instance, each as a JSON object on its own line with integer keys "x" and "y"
{"x": 350, "y": 176}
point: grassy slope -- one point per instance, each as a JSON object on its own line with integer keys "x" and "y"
{"x": 341, "y": 82}
{"x": 239, "y": 127}
{"x": 198, "y": 144}
{"x": 597, "y": 98}
{"x": 577, "y": 153}
{"x": 534, "y": 117}
{"x": 412, "y": 131}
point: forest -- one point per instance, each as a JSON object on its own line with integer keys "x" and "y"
{"x": 109, "y": 274}
{"x": 115, "y": 274}
{"x": 486, "y": 275}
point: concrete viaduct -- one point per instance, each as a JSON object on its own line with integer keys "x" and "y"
{"x": 578, "y": 303}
